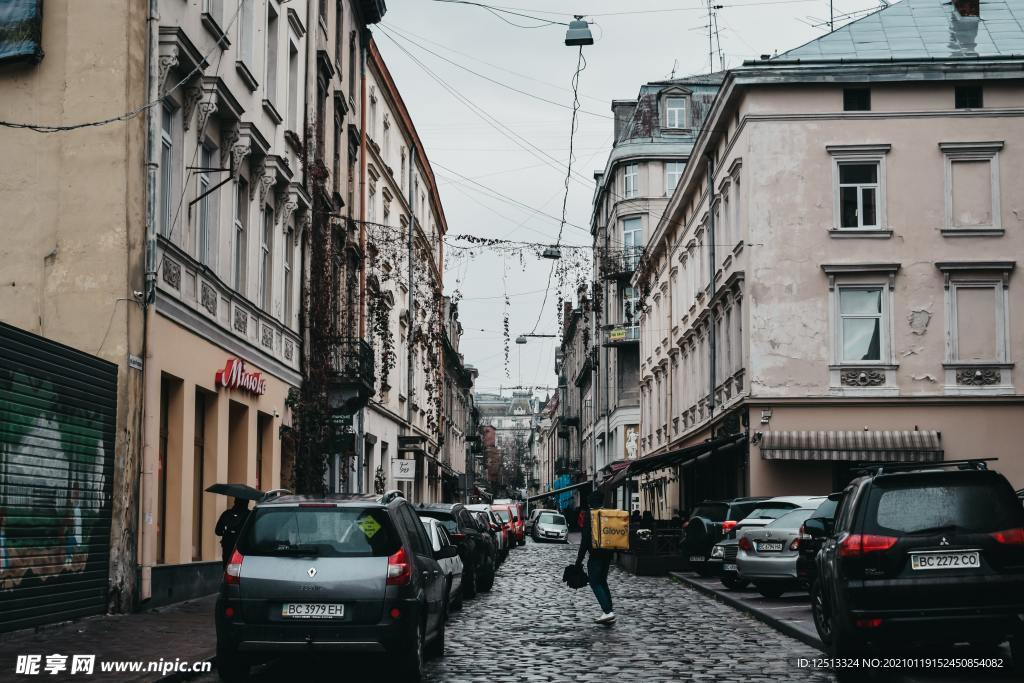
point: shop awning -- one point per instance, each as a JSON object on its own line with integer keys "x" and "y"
{"x": 679, "y": 456}
{"x": 853, "y": 446}
{"x": 588, "y": 484}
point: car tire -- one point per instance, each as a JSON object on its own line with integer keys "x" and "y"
{"x": 232, "y": 667}
{"x": 844, "y": 645}
{"x": 435, "y": 648}
{"x": 770, "y": 590}
{"x": 734, "y": 583}
{"x": 486, "y": 582}
{"x": 469, "y": 581}
{"x": 457, "y": 602}
{"x": 412, "y": 656}
{"x": 820, "y": 614}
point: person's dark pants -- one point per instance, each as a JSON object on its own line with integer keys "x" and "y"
{"x": 597, "y": 570}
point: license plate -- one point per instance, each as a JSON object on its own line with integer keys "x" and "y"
{"x": 769, "y": 547}
{"x": 312, "y": 610}
{"x": 696, "y": 558}
{"x": 968, "y": 559}
{"x": 728, "y": 568}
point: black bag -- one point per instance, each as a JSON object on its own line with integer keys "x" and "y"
{"x": 574, "y": 576}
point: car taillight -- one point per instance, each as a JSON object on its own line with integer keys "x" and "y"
{"x": 233, "y": 570}
{"x": 728, "y": 526}
{"x": 858, "y": 545}
{"x": 795, "y": 545}
{"x": 457, "y": 536}
{"x": 744, "y": 544}
{"x": 1009, "y": 536}
{"x": 399, "y": 569}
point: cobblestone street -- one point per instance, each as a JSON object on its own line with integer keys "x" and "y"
{"x": 531, "y": 627}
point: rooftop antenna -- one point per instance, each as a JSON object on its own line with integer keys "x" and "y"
{"x": 675, "y": 63}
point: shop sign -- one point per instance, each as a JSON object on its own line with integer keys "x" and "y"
{"x": 403, "y": 470}
{"x": 617, "y": 334}
{"x": 234, "y": 376}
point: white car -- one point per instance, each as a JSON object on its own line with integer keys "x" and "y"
{"x": 451, "y": 567}
{"x": 532, "y": 519}
{"x": 551, "y": 526}
{"x": 767, "y": 511}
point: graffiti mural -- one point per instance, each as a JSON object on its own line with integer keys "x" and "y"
{"x": 56, "y": 446}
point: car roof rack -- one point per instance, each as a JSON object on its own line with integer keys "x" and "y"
{"x": 884, "y": 468}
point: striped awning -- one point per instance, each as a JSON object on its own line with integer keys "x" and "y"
{"x": 853, "y": 446}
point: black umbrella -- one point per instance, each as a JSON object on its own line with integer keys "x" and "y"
{"x": 243, "y": 491}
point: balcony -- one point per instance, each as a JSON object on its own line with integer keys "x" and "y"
{"x": 620, "y": 264}
{"x": 373, "y": 10}
{"x": 622, "y": 335}
{"x": 350, "y": 378}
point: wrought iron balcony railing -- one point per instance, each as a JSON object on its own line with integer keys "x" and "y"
{"x": 619, "y": 264}
{"x": 351, "y": 375}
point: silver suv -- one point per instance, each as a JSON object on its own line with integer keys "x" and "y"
{"x": 345, "y": 573}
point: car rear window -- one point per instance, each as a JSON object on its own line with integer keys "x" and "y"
{"x": 445, "y": 518}
{"x": 715, "y": 513}
{"x": 827, "y": 509}
{"x": 792, "y": 519}
{"x": 940, "y": 504}
{"x": 768, "y": 512}
{"x": 551, "y": 519}
{"x": 324, "y": 532}
{"x": 503, "y": 515}
{"x": 739, "y": 511}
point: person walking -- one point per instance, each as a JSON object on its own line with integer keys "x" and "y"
{"x": 229, "y": 526}
{"x": 598, "y": 564}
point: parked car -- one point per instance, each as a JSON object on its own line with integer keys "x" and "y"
{"x": 493, "y": 529}
{"x": 507, "y": 522}
{"x": 707, "y": 525}
{"x": 343, "y": 572}
{"x": 767, "y": 555}
{"x": 498, "y": 528}
{"x": 515, "y": 518}
{"x": 822, "y": 519}
{"x": 451, "y": 563}
{"x": 532, "y": 518}
{"x": 479, "y": 561}
{"x": 927, "y": 553}
{"x": 551, "y": 526}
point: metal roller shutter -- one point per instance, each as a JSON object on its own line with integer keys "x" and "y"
{"x": 57, "y": 422}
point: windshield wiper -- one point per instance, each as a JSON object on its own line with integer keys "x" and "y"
{"x": 935, "y": 530}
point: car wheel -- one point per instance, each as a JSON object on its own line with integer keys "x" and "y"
{"x": 844, "y": 644}
{"x": 734, "y": 583}
{"x": 232, "y": 667}
{"x": 412, "y": 656}
{"x": 436, "y": 647}
{"x": 469, "y": 581}
{"x": 820, "y": 613}
{"x": 770, "y": 590}
{"x": 457, "y": 602}
{"x": 486, "y": 582}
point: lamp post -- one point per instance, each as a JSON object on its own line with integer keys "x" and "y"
{"x": 521, "y": 339}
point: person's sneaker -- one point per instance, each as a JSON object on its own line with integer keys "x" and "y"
{"x": 608, "y": 618}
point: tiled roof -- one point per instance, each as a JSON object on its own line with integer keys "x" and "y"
{"x": 922, "y": 29}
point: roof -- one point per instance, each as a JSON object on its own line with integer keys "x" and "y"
{"x": 921, "y": 29}
{"x": 361, "y": 499}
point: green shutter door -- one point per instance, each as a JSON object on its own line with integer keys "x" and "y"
{"x": 57, "y": 414}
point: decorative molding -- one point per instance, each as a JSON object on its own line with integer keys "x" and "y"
{"x": 241, "y": 320}
{"x": 862, "y": 378}
{"x": 1002, "y": 268}
{"x": 172, "y": 274}
{"x": 288, "y": 208}
{"x": 978, "y": 377}
{"x": 266, "y": 181}
{"x": 854, "y": 150}
{"x": 229, "y": 135}
{"x": 209, "y": 299}
{"x": 289, "y": 349}
{"x": 239, "y": 151}
{"x": 834, "y": 269}
{"x": 193, "y": 94}
{"x": 206, "y": 109}
{"x": 267, "y": 336}
{"x": 167, "y": 62}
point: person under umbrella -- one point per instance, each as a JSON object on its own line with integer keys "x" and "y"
{"x": 230, "y": 525}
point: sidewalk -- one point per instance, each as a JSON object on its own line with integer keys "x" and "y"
{"x": 183, "y": 631}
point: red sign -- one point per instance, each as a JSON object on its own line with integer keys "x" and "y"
{"x": 234, "y": 376}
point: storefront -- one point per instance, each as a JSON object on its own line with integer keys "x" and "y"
{"x": 212, "y": 415}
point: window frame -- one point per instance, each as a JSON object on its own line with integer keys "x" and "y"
{"x": 850, "y": 93}
{"x": 954, "y": 152}
{"x": 965, "y": 91}
{"x": 206, "y": 232}
{"x": 668, "y": 173}
{"x": 167, "y": 166}
{"x": 859, "y": 154}
{"x": 681, "y": 122}
{"x": 287, "y": 265}
{"x": 266, "y": 258}
{"x": 881, "y": 316}
{"x": 240, "y": 253}
{"x": 631, "y": 171}
{"x": 1001, "y": 317}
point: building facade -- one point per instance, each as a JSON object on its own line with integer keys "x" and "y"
{"x": 834, "y": 277}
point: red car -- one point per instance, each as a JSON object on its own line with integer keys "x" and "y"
{"x": 513, "y": 513}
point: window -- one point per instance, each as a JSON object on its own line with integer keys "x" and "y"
{"x": 632, "y": 241}
{"x": 629, "y": 181}
{"x": 675, "y": 112}
{"x": 166, "y": 171}
{"x": 968, "y": 97}
{"x": 289, "y": 255}
{"x": 337, "y": 155}
{"x": 385, "y": 147}
{"x": 198, "y": 466}
{"x": 856, "y": 99}
{"x": 241, "y": 235}
{"x": 976, "y": 322}
{"x": 271, "y": 53}
{"x": 215, "y": 8}
{"x": 858, "y": 195}
{"x": 352, "y": 65}
{"x": 207, "y": 208}
{"x": 323, "y": 10}
{"x": 293, "y": 88}
{"x": 339, "y": 34}
{"x": 266, "y": 244}
{"x": 373, "y": 114}
{"x": 861, "y": 324}
{"x": 246, "y": 24}
{"x": 673, "y": 172}
{"x": 401, "y": 173}
{"x": 630, "y": 315}
{"x": 371, "y": 205}
{"x": 972, "y": 200}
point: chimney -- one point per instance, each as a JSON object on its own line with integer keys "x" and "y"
{"x": 968, "y": 8}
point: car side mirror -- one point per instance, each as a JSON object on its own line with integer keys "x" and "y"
{"x": 446, "y": 552}
{"x": 817, "y": 527}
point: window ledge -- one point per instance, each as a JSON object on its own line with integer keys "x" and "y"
{"x": 855, "y": 233}
{"x": 862, "y": 366}
{"x": 211, "y": 25}
{"x": 738, "y": 248}
{"x": 272, "y": 112}
{"x": 977, "y": 364}
{"x": 972, "y": 232}
{"x": 243, "y": 70}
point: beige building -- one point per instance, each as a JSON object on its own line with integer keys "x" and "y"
{"x": 834, "y": 277}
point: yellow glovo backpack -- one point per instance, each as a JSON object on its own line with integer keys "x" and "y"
{"x": 609, "y": 529}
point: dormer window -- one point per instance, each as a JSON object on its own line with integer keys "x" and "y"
{"x": 675, "y": 112}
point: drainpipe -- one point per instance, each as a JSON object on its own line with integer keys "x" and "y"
{"x": 712, "y": 351}
{"x": 153, "y": 115}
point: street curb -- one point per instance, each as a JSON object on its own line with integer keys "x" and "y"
{"x": 179, "y": 676}
{"x": 776, "y": 623}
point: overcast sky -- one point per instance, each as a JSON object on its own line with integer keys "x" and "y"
{"x": 649, "y": 42}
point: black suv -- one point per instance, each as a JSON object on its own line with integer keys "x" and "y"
{"x": 709, "y": 524}
{"x": 475, "y": 548}
{"x": 343, "y": 573}
{"x": 923, "y": 554}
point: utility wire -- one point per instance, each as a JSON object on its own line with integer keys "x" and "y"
{"x": 495, "y": 10}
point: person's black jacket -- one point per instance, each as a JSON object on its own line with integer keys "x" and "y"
{"x": 230, "y": 524}
{"x": 586, "y": 543}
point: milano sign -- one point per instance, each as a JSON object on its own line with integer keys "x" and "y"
{"x": 234, "y": 376}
